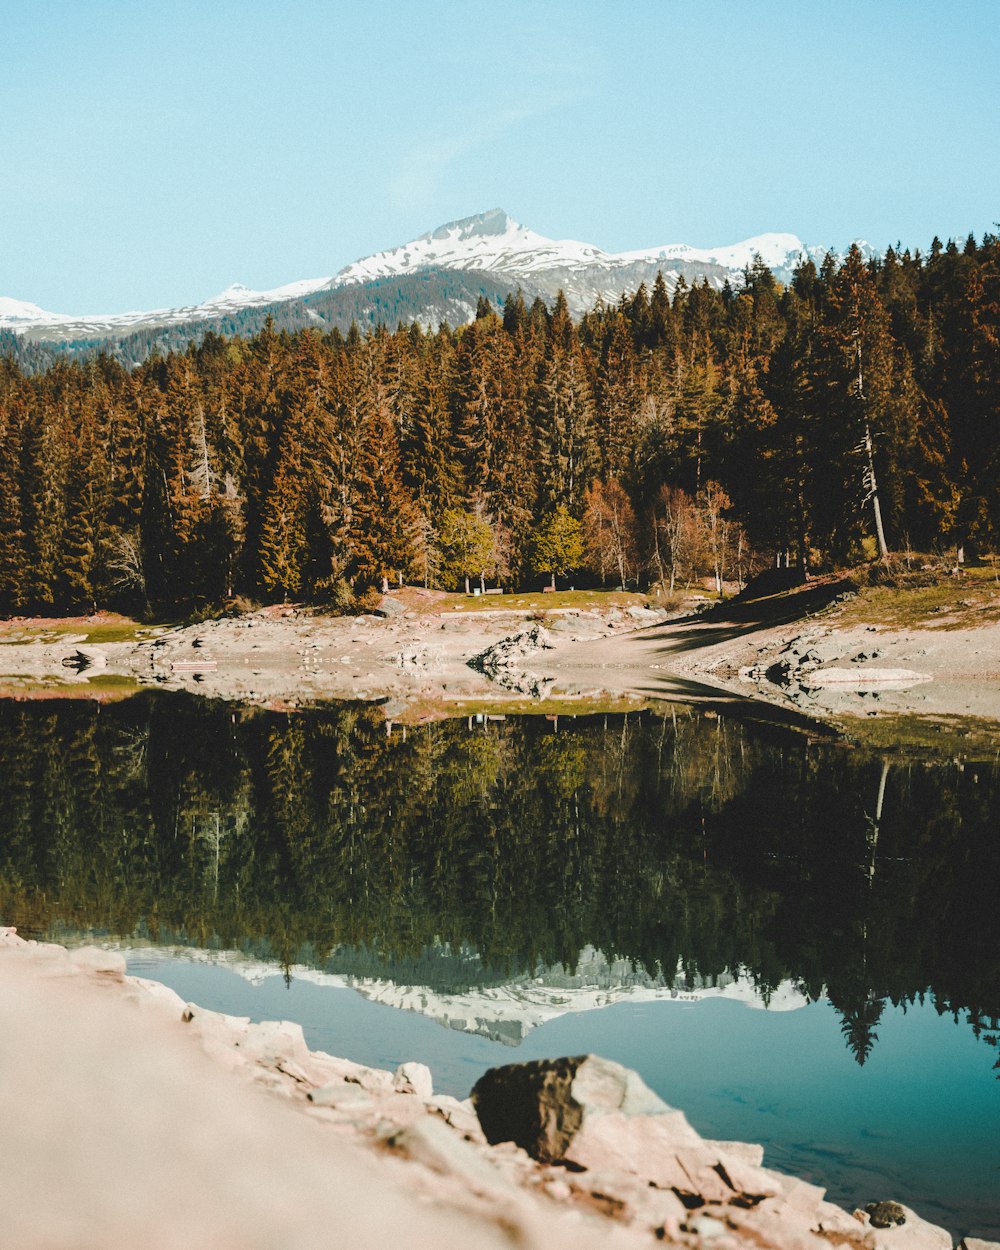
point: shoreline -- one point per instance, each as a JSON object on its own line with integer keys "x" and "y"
{"x": 148, "y": 1092}
{"x": 423, "y": 662}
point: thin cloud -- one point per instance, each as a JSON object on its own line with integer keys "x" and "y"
{"x": 422, "y": 169}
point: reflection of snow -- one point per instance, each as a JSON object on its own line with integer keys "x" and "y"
{"x": 505, "y": 1013}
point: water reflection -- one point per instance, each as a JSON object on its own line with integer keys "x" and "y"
{"x": 463, "y": 857}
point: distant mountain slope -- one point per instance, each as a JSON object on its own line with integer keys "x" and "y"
{"x": 435, "y": 278}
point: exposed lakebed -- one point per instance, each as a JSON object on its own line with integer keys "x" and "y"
{"x": 698, "y": 864}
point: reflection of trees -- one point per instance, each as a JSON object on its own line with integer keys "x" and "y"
{"x": 675, "y": 841}
{"x": 858, "y": 1026}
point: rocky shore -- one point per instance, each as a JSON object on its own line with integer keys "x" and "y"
{"x": 423, "y": 658}
{"x": 133, "y": 1118}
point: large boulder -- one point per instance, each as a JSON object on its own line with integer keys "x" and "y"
{"x": 585, "y": 1111}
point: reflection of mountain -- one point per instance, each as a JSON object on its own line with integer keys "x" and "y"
{"x": 459, "y": 858}
{"x": 504, "y": 1013}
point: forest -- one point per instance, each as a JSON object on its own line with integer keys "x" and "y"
{"x": 661, "y": 439}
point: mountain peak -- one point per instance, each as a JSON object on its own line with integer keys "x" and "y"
{"x": 480, "y": 225}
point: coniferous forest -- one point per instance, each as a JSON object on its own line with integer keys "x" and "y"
{"x": 666, "y": 437}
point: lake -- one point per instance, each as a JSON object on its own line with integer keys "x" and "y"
{"x": 794, "y": 940}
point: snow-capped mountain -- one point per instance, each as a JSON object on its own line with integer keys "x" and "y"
{"x": 489, "y": 248}
{"x": 494, "y": 242}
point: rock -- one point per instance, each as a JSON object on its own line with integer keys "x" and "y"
{"x": 863, "y": 679}
{"x": 430, "y": 1141}
{"x": 460, "y": 1115}
{"x": 646, "y": 616}
{"x": 885, "y": 1214}
{"x": 584, "y": 1110}
{"x": 86, "y": 657}
{"x": 340, "y": 1094}
{"x": 414, "y": 1078}
{"x": 747, "y": 1152}
{"x": 509, "y": 651}
{"x": 389, "y": 607}
{"x": 976, "y": 1243}
{"x": 273, "y": 1041}
{"x": 781, "y": 672}
{"x": 707, "y": 1227}
{"x": 891, "y": 1224}
{"x": 567, "y": 623}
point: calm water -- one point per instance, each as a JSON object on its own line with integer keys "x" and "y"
{"x": 702, "y": 867}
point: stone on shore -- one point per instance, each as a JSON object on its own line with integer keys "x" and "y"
{"x": 588, "y": 1112}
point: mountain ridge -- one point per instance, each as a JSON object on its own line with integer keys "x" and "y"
{"x": 490, "y": 245}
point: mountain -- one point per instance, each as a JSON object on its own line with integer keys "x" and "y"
{"x": 494, "y": 243}
{"x": 437, "y": 277}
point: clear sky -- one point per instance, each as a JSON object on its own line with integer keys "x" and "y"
{"x": 153, "y": 153}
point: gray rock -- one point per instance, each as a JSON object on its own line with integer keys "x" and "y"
{"x": 390, "y": 607}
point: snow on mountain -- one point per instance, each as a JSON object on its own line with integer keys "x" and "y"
{"x": 489, "y": 243}
{"x": 496, "y": 242}
{"x": 15, "y": 312}
{"x": 503, "y": 1013}
{"x": 19, "y": 316}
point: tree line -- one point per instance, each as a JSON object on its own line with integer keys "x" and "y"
{"x": 665, "y": 437}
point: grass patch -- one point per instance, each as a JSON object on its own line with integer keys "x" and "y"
{"x": 88, "y": 631}
{"x": 443, "y": 603}
{"x": 925, "y": 600}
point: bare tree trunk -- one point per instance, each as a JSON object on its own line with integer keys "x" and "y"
{"x": 883, "y": 550}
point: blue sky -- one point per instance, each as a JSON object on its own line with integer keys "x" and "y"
{"x": 155, "y": 152}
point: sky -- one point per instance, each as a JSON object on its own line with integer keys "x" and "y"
{"x": 154, "y": 153}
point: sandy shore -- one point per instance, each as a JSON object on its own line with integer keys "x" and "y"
{"x": 140, "y": 1120}
{"x": 422, "y": 660}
